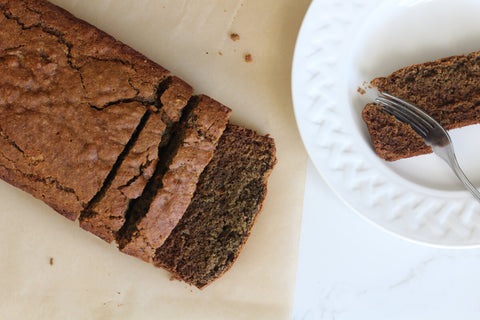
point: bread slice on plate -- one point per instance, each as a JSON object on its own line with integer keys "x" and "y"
{"x": 448, "y": 89}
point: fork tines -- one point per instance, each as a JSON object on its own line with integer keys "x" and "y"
{"x": 406, "y": 112}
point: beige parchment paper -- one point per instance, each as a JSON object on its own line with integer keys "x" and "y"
{"x": 52, "y": 269}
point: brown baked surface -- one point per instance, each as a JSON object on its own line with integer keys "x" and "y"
{"x": 95, "y": 129}
{"x": 448, "y": 89}
{"x": 166, "y": 198}
{"x": 71, "y": 99}
{"x": 229, "y": 197}
{"x": 105, "y": 214}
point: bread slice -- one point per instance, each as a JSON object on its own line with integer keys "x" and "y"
{"x": 71, "y": 99}
{"x": 229, "y": 197}
{"x": 153, "y": 216}
{"x": 448, "y": 89}
{"x": 105, "y": 214}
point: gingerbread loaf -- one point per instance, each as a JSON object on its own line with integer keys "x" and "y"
{"x": 104, "y": 135}
{"x": 228, "y": 198}
{"x": 448, "y": 89}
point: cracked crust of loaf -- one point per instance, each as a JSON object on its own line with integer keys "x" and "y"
{"x": 72, "y": 96}
{"x": 228, "y": 199}
{"x": 171, "y": 190}
{"x": 105, "y": 215}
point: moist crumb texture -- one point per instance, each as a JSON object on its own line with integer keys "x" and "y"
{"x": 218, "y": 221}
{"x": 448, "y": 89}
{"x": 71, "y": 98}
{"x": 391, "y": 138}
{"x": 155, "y": 215}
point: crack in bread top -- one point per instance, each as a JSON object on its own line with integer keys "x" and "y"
{"x": 71, "y": 97}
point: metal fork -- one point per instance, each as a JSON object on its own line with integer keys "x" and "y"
{"x": 430, "y": 130}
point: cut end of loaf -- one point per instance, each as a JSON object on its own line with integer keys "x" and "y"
{"x": 227, "y": 201}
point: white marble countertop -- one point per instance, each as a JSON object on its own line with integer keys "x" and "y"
{"x": 350, "y": 269}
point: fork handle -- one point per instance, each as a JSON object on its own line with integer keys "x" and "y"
{"x": 450, "y": 158}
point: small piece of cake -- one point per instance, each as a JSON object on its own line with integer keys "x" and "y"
{"x": 229, "y": 197}
{"x": 448, "y": 89}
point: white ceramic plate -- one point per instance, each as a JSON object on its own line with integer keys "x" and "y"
{"x": 341, "y": 45}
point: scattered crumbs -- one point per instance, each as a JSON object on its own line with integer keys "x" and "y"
{"x": 367, "y": 85}
{"x": 206, "y": 52}
{"x": 51, "y": 261}
{"x": 118, "y": 292}
{"x": 220, "y": 53}
{"x": 361, "y": 91}
{"x": 234, "y": 36}
{"x": 248, "y": 58}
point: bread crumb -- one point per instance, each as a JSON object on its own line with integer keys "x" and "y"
{"x": 234, "y": 36}
{"x": 361, "y": 91}
{"x": 51, "y": 261}
{"x": 220, "y": 53}
{"x": 248, "y": 58}
{"x": 367, "y": 85}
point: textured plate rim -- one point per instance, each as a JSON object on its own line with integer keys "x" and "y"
{"x": 428, "y": 222}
